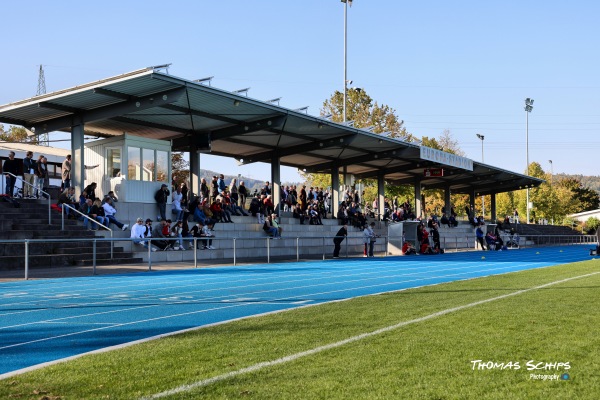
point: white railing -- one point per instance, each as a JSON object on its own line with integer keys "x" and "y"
{"x": 326, "y": 246}
{"x": 40, "y": 190}
{"x": 93, "y": 221}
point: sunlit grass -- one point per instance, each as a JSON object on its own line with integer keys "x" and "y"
{"x": 424, "y": 360}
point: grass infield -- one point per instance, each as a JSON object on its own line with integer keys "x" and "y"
{"x": 431, "y": 359}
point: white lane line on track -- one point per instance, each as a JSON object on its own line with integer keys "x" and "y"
{"x": 219, "y": 298}
{"x": 374, "y": 267}
{"x": 279, "y": 289}
{"x": 270, "y": 301}
{"x": 293, "y": 357}
{"x": 158, "y": 281}
{"x": 371, "y": 271}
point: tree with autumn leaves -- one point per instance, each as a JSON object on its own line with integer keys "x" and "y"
{"x": 552, "y": 200}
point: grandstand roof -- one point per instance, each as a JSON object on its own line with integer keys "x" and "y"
{"x": 156, "y": 105}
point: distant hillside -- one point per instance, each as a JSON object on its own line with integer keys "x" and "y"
{"x": 590, "y": 182}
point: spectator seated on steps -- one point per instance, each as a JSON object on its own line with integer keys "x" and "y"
{"x": 200, "y": 216}
{"x": 342, "y": 214}
{"x": 138, "y": 233}
{"x": 408, "y": 249}
{"x": 110, "y": 211}
{"x": 68, "y": 197}
{"x": 95, "y": 213}
{"x": 314, "y": 217}
{"x": 491, "y": 242}
{"x": 157, "y": 232}
{"x": 219, "y": 213}
{"x": 299, "y": 214}
{"x": 269, "y": 228}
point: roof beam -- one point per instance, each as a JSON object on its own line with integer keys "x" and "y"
{"x": 338, "y": 141}
{"x": 58, "y": 107}
{"x": 197, "y": 113}
{"x": 394, "y": 170}
{"x": 150, "y": 124}
{"x": 172, "y": 107}
{"x": 249, "y": 127}
{"x": 110, "y": 111}
{"x": 14, "y": 121}
{"x": 112, "y": 93}
{"x": 362, "y": 159}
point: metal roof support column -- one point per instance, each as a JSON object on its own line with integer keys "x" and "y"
{"x": 77, "y": 158}
{"x": 194, "y": 172}
{"x": 276, "y": 183}
{"x": 493, "y": 207}
{"x": 447, "y": 202}
{"x": 380, "y": 196}
{"x": 418, "y": 204}
{"x": 335, "y": 191}
{"x": 345, "y": 178}
{"x": 472, "y": 204}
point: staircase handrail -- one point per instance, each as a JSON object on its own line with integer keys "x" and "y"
{"x": 29, "y": 184}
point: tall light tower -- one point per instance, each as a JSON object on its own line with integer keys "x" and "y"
{"x": 43, "y": 139}
{"x": 481, "y": 137}
{"x": 346, "y": 3}
{"x": 528, "y": 108}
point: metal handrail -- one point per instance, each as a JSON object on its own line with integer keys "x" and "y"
{"x": 93, "y": 221}
{"x": 29, "y": 184}
{"x": 149, "y": 240}
{"x": 576, "y": 239}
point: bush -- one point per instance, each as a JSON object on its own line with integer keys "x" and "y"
{"x": 591, "y": 225}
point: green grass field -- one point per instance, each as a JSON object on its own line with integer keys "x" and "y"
{"x": 430, "y": 359}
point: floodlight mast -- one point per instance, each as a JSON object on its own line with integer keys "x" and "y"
{"x": 346, "y": 2}
{"x": 481, "y": 137}
{"x": 528, "y": 108}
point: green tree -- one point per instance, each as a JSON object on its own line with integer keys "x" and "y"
{"x": 365, "y": 113}
{"x": 180, "y": 168}
{"x": 16, "y": 134}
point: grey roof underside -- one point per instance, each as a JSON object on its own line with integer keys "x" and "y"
{"x": 159, "y": 106}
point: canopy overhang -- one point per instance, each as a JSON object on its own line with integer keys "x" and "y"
{"x": 152, "y": 104}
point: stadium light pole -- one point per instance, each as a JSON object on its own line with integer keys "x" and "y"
{"x": 481, "y": 137}
{"x": 528, "y": 108}
{"x": 346, "y": 52}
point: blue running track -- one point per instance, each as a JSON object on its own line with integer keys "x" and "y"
{"x": 47, "y": 320}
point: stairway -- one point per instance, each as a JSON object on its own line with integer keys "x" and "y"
{"x": 30, "y": 221}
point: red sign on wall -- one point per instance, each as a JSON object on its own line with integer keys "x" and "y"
{"x": 433, "y": 172}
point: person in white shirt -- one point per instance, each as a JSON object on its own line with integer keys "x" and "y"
{"x": 138, "y": 231}
{"x": 369, "y": 238}
{"x": 110, "y": 211}
{"x": 176, "y": 199}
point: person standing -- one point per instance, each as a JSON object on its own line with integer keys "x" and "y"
{"x": 176, "y": 201}
{"x": 161, "y": 197}
{"x": 41, "y": 173}
{"x": 480, "y": 237}
{"x": 243, "y": 193}
{"x": 10, "y": 166}
{"x": 369, "y": 237}
{"x": 338, "y": 239}
{"x": 29, "y": 168}
{"x": 204, "y": 192}
{"x": 66, "y": 172}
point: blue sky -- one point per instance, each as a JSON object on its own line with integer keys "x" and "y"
{"x": 465, "y": 66}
